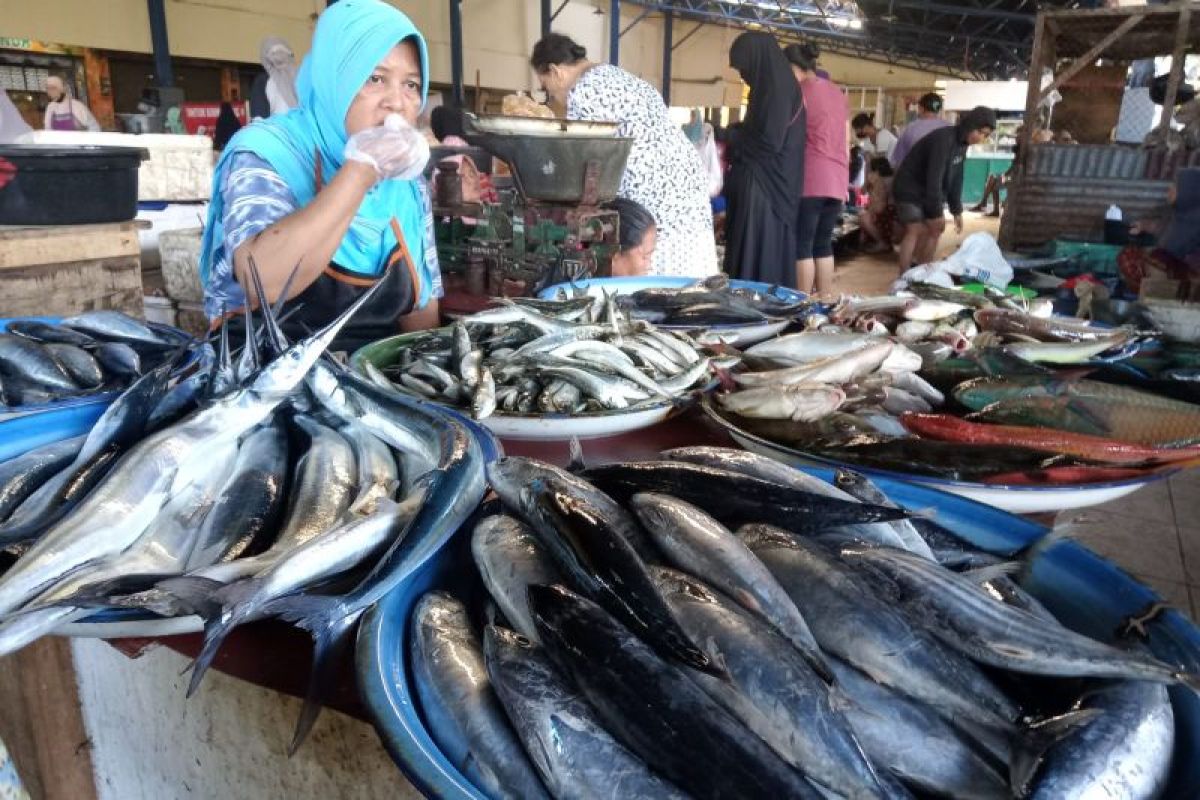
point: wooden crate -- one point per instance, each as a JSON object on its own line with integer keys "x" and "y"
{"x": 65, "y": 269}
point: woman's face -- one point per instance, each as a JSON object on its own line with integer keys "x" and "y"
{"x": 54, "y": 88}
{"x": 556, "y": 83}
{"x": 636, "y": 260}
{"x": 394, "y": 87}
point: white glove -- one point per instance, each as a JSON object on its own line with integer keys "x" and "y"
{"x": 395, "y": 149}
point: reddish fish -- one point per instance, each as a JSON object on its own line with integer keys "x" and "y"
{"x": 947, "y": 428}
{"x": 1069, "y": 475}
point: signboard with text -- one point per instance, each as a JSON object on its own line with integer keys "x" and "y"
{"x": 201, "y": 118}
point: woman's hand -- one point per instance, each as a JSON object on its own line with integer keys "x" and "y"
{"x": 394, "y": 149}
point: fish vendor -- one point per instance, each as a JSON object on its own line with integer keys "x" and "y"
{"x": 328, "y": 199}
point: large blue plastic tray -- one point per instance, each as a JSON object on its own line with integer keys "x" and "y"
{"x": 1087, "y": 593}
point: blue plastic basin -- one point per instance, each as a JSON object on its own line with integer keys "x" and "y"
{"x": 1085, "y": 591}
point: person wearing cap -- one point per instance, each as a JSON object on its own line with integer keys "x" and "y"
{"x": 930, "y": 179}
{"x": 328, "y": 201}
{"x": 929, "y": 109}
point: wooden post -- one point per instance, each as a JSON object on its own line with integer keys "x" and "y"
{"x": 1033, "y": 95}
{"x": 1177, "y": 57}
{"x": 1090, "y": 56}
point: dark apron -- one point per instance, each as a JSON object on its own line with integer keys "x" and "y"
{"x": 336, "y": 290}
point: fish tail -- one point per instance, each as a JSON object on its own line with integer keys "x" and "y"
{"x": 238, "y": 605}
{"x": 1030, "y": 744}
{"x": 331, "y": 626}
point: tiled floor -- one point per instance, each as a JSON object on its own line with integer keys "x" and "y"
{"x": 1154, "y": 535}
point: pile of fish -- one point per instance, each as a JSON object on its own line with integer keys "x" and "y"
{"x": 708, "y": 302}
{"x": 96, "y": 351}
{"x": 870, "y": 397}
{"x": 278, "y": 485}
{"x": 718, "y": 625}
{"x": 535, "y": 357}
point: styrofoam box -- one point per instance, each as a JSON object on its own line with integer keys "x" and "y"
{"x": 179, "y": 167}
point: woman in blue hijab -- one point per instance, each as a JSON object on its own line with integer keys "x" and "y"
{"x": 332, "y": 190}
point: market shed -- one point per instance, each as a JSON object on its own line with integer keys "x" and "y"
{"x": 1065, "y": 189}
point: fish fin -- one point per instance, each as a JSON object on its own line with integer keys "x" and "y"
{"x": 332, "y": 628}
{"x": 236, "y": 607}
{"x": 1063, "y": 531}
{"x": 1031, "y": 743}
{"x": 990, "y": 572}
{"x": 576, "y": 450}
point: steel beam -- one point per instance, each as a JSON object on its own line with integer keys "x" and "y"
{"x": 456, "y": 53}
{"x": 668, "y": 41}
{"x": 614, "y": 32}
{"x": 158, "y": 40}
{"x": 546, "y": 16}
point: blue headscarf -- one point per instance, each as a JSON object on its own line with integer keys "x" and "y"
{"x": 351, "y": 39}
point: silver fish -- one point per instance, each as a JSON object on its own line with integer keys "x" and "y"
{"x": 576, "y": 757}
{"x": 800, "y": 402}
{"x": 913, "y": 742}
{"x": 21, "y": 476}
{"x": 853, "y": 622}
{"x": 771, "y": 690}
{"x": 510, "y": 559}
{"x": 464, "y": 715}
{"x": 861, "y": 488}
{"x": 696, "y": 543}
{"x": 1001, "y": 635}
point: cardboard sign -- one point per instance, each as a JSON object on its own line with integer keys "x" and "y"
{"x": 201, "y": 118}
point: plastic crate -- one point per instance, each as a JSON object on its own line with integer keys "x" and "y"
{"x": 1094, "y": 257}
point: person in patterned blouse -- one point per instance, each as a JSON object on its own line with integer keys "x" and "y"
{"x": 664, "y": 172}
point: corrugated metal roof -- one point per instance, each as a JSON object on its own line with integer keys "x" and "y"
{"x": 1096, "y": 161}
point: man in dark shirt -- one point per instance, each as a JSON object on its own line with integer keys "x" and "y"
{"x": 930, "y": 178}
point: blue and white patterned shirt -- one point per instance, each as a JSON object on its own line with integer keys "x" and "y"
{"x": 256, "y": 198}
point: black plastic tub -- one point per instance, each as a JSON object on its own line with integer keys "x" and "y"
{"x": 59, "y": 185}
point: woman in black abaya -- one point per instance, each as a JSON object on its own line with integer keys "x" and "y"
{"x": 766, "y": 176}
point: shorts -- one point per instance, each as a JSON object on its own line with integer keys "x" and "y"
{"x": 814, "y": 227}
{"x": 910, "y": 213}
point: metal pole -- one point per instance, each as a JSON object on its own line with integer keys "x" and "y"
{"x": 614, "y": 32}
{"x": 668, "y": 40}
{"x": 456, "y": 53}
{"x": 158, "y": 40}
{"x": 546, "y": 17}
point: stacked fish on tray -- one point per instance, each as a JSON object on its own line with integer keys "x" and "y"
{"x": 96, "y": 351}
{"x": 537, "y": 357}
{"x": 278, "y": 485}
{"x": 710, "y": 301}
{"x": 861, "y": 386}
{"x": 717, "y": 625}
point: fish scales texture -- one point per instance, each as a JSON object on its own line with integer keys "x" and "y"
{"x": 510, "y": 559}
{"x": 773, "y": 691}
{"x": 1001, "y": 635}
{"x": 464, "y": 714}
{"x": 596, "y": 558}
{"x": 699, "y": 545}
{"x": 655, "y": 708}
{"x": 1123, "y": 754}
{"x": 733, "y": 498}
{"x": 852, "y": 621}
{"x": 22, "y": 475}
{"x": 912, "y": 741}
{"x": 768, "y": 469}
{"x": 26, "y": 360}
{"x": 567, "y": 743}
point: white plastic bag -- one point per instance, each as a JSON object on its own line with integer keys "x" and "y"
{"x": 979, "y": 259}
